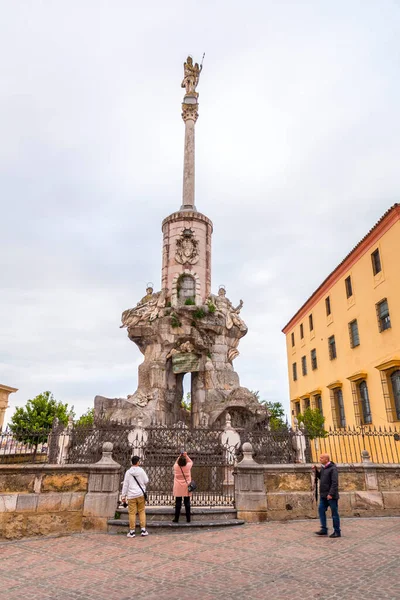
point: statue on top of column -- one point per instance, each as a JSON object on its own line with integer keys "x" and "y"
{"x": 191, "y": 76}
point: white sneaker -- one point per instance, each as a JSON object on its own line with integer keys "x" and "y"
{"x": 131, "y": 533}
{"x": 145, "y": 532}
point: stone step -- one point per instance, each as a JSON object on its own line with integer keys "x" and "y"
{"x": 119, "y": 526}
{"x": 166, "y": 513}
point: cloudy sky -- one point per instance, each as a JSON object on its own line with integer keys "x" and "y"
{"x": 298, "y": 145}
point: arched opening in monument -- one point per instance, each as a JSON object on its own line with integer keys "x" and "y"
{"x": 187, "y": 290}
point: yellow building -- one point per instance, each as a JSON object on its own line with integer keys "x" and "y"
{"x": 343, "y": 344}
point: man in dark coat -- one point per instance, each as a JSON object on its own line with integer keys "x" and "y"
{"x": 329, "y": 495}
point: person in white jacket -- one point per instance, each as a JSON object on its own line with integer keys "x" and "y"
{"x": 133, "y": 490}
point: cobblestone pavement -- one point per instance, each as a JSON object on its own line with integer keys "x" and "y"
{"x": 270, "y": 560}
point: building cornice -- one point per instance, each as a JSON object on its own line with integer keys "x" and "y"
{"x": 6, "y": 388}
{"x": 390, "y": 217}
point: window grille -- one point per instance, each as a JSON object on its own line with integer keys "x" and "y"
{"x": 306, "y": 403}
{"x": 292, "y": 340}
{"x": 382, "y": 312}
{"x": 294, "y": 369}
{"x": 301, "y": 330}
{"x": 339, "y": 407}
{"x": 318, "y": 403}
{"x": 328, "y": 306}
{"x": 349, "y": 287}
{"x": 365, "y": 405}
{"x": 354, "y": 335}
{"x": 311, "y": 322}
{"x": 376, "y": 262}
{"x": 395, "y": 382}
{"x": 332, "y": 347}
{"x": 304, "y": 365}
{"x": 390, "y": 413}
{"x": 313, "y": 359}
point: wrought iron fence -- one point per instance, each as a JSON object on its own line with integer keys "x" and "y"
{"x": 24, "y": 446}
{"x": 159, "y": 445}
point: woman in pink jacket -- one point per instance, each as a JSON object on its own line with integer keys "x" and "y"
{"x": 182, "y": 478}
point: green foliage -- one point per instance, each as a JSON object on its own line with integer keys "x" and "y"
{"x": 313, "y": 422}
{"x": 186, "y": 403}
{"x": 175, "y": 322}
{"x": 189, "y": 302}
{"x": 277, "y": 414}
{"x": 199, "y": 314}
{"x": 168, "y": 305}
{"x": 32, "y": 423}
{"x": 87, "y": 419}
{"x": 211, "y": 307}
{"x": 277, "y": 419}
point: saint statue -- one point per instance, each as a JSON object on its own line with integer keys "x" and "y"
{"x": 191, "y": 76}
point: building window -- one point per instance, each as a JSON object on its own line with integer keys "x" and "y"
{"x": 297, "y": 408}
{"x": 339, "y": 407}
{"x": 304, "y": 365}
{"x": 376, "y": 262}
{"x": 306, "y": 403}
{"x": 382, "y": 312}
{"x": 301, "y": 330}
{"x": 353, "y": 332}
{"x": 318, "y": 403}
{"x": 313, "y": 359}
{"x": 349, "y": 287}
{"x": 328, "y": 306}
{"x": 292, "y": 339}
{"x": 294, "y": 369}
{"x": 395, "y": 382}
{"x": 332, "y": 347}
{"x": 364, "y": 401}
{"x": 311, "y": 322}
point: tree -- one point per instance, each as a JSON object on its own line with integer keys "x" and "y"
{"x": 32, "y": 423}
{"x": 313, "y": 422}
{"x": 87, "y": 419}
{"x": 276, "y": 411}
{"x": 277, "y": 414}
{"x": 186, "y": 403}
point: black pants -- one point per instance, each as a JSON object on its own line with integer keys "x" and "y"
{"x": 178, "y": 506}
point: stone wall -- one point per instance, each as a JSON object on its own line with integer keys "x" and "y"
{"x": 42, "y": 499}
{"x": 284, "y": 492}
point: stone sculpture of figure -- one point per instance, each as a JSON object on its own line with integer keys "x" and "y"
{"x": 146, "y": 310}
{"x": 191, "y": 76}
{"x": 226, "y": 308}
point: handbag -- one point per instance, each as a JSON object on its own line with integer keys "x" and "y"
{"x": 144, "y": 493}
{"x": 192, "y": 485}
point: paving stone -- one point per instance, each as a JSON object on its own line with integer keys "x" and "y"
{"x": 251, "y": 562}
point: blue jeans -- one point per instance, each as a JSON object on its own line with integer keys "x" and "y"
{"x": 323, "y": 507}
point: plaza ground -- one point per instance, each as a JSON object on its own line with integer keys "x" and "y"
{"x": 270, "y": 560}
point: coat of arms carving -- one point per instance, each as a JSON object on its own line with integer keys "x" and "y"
{"x": 187, "y": 250}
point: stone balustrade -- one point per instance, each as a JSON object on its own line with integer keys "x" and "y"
{"x": 43, "y": 499}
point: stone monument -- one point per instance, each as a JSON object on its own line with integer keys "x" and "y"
{"x": 185, "y": 328}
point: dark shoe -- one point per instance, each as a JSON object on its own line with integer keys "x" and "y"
{"x": 321, "y": 532}
{"x": 187, "y": 519}
{"x": 335, "y": 534}
{"x": 175, "y": 520}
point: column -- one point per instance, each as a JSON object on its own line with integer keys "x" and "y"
{"x": 189, "y": 116}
